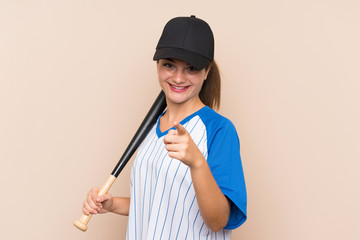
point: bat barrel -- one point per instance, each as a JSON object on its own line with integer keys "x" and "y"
{"x": 150, "y": 119}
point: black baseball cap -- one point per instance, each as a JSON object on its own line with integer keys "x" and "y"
{"x": 189, "y": 39}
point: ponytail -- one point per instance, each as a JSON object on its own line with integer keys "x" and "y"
{"x": 210, "y": 91}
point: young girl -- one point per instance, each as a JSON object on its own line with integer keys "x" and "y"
{"x": 187, "y": 180}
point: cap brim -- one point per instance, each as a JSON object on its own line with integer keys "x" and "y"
{"x": 197, "y": 61}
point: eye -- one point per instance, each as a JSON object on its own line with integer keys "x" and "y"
{"x": 168, "y": 65}
{"x": 191, "y": 69}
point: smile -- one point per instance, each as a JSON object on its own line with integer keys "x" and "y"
{"x": 178, "y": 88}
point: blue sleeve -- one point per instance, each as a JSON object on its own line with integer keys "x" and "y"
{"x": 225, "y": 163}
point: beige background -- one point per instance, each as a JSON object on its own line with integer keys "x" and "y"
{"x": 77, "y": 77}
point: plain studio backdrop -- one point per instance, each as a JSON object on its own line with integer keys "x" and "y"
{"x": 77, "y": 78}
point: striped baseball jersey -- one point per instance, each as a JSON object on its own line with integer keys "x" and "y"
{"x": 163, "y": 202}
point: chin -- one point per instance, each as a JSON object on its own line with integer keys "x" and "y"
{"x": 176, "y": 101}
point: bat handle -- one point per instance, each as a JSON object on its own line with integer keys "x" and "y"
{"x": 82, "y": 222}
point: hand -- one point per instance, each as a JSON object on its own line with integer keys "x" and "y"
{"x": 94, "y": 204}
{"x": 180, "y": 145}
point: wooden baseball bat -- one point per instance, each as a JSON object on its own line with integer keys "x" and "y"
{"x": 150, "y": 119}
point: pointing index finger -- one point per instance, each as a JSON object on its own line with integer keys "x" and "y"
{"x": 180, "y": 128}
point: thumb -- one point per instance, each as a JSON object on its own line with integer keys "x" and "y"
{"x": 180, "y": 128}
{"x": 103, "y": 198}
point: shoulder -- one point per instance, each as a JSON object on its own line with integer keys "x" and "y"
{"x": 219, "y": 129}
{"x": 215, "y": 121}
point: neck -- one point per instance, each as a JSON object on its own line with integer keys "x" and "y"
{"x": 177, "y": 112}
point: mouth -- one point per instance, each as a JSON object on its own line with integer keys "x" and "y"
{"x": 178, "y": 88}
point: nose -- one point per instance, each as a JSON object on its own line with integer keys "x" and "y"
{"x": 178, "y": 77}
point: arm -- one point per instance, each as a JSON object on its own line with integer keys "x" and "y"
{"x": 213, "y": 205}
{"x": 121, "y": 205}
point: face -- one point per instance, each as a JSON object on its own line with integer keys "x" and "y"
{"x": 180, "y": 82}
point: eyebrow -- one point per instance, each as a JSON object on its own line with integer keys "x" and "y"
{"x": 173, "y": 61}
